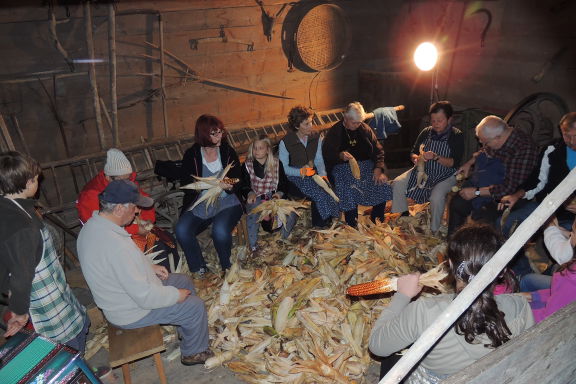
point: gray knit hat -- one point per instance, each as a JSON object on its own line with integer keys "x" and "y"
{"x": 117, "y": 164}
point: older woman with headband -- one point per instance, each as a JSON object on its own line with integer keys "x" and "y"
{"x": 352, "y": 140}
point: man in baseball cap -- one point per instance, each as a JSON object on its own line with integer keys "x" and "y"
{"x": 131, "y": 291}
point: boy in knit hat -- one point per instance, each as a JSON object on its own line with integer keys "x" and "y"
{"x": 118, "y": 167}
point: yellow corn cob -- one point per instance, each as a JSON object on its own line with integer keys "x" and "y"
{"x": 372, "y": 288}
{"x": 354, "y": 168}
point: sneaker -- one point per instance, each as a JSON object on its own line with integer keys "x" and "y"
{"x": 201, "y": 273}
{"x": 199, "y": 358}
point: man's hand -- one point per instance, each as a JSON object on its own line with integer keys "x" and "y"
{"x": 468, "y": 193}
{"x": 465, "y": 169}
{"x": 307, "y": 171}
{"x": 184, "y": 293}
{"x": 409, "y": 285}
{"x": 508, "y": 201}
{"x": 345, "y": 156}
{"x": 160, "y": 271}
{"x": 16, "y": 323}
{"x": 277, "y": 195}
{"x": 251, "y": 199}
{"x": 379, "y": 177}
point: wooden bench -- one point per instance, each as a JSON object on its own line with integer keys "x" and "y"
{"x": 128, "y": 345}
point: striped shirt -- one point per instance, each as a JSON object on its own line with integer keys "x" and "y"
{"x": 54, "y": 310}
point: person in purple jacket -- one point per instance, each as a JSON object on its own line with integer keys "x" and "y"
{"x": 561, "y": 293}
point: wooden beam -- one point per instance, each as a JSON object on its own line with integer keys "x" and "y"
{"x": 92, "y": 72}
{"x": 113, "y": 75}
{"x": 6, "y": 134}
{"x": 162, "y": 78}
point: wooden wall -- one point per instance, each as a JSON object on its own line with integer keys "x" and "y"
{"x": 52, "y": 103}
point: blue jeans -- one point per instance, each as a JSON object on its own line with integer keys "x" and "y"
{"x": 516, "y": 216}
{"x": 535, "y": 282}
{"x": 189, "y": 226}
{"x": 79, "y": 342}
{"x": 189, "y": 316}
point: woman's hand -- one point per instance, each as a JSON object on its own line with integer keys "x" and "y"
{"x": 379, "y": 177}
{"x": 15, "y": 324}
{"x": 307, "y": 171}
{"x": 429, "y": 155}
{"x": 251, "y": 199}
{"x": 409, "y": 285}
{"x": 345, "y": 156}
{"x": 225, "y": 186}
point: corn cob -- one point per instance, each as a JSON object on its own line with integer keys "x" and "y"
{"x": 430, "y": 279}
{"x": 373, "y": 287}
{"x": 320, "y": 181}
{"x": 354, "y": 168}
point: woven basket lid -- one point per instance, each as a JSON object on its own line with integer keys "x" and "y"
{"x": 322, "y": 37}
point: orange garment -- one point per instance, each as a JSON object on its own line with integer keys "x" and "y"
{"x": 88, "y": 202}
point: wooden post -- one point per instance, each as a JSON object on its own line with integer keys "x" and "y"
{"x": 162, "y": 77}
{"x": 20, "y": 134}
{"x": 6, "y": 134}
{"x": 486, "y": 275}
{"x": 92, "y": 72}
{"x": 112, "y": 55}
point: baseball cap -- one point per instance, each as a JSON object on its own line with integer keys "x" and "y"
{"x": 125, "y": 191}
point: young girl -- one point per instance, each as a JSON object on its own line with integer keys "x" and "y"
{"x": 264, "y": 179}
{"x": 488, "y": 323}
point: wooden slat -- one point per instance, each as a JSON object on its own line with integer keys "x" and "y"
{"x": 127, "y": 345}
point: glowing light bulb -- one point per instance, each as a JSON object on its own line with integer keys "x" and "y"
{"x": 426, "y": 56}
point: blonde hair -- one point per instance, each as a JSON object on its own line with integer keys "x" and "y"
{"x": 271, "y": 161}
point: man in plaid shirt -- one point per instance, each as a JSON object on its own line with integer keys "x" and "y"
{"x": 30, "y": 272}
{"x": 518, "y": 154}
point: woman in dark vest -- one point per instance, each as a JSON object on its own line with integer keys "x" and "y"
{"x": 441, "y": 146}
{"x": 301, "y": 155}
{"x": 352, "y": 139}
{"x": 209, "y": 155}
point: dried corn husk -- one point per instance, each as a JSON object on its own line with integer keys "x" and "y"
{"x": 322, "y": 183}
{"x": 211, "y": 185}
{"x": 324, "y": 335}
{"x": 354, "y": 167}
{"x": 281, "y": 209}
{"x": 430, "y": 279}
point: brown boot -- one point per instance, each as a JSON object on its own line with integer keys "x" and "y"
{"x": 199, "y": 358}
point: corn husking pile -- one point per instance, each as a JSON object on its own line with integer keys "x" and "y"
{"x": 284, "y": 317}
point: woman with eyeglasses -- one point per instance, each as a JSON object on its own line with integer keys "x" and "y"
{"x": 209, "y": 155}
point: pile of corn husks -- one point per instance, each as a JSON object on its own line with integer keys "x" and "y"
{"x": 284, "y": 316}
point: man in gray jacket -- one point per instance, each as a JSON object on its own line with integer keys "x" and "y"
{"x": 131, "y": 291}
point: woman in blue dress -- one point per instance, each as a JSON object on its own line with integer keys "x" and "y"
{"x": 300, "y": 152}
{"x": 352, "y": 139}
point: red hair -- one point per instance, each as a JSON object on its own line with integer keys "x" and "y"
{"x": 206, "y": 124}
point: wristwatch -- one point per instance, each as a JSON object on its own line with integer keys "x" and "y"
{"x": 477, "y": 192}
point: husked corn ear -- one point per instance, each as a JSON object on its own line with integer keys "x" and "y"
{"x": 373, "y": 287}
{"x": 355, "y": 168}
{"x": 320, "y": 181}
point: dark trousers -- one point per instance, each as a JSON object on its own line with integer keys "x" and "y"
{"x": 460, "y": 209}
{"x": 386, "y": 364}
{"x": 351, "y": 216}
{"x": 189, "y": 226}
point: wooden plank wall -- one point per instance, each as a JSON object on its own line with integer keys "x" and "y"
{"x": 55, "y": 102}
{"x": 543, "y": 354}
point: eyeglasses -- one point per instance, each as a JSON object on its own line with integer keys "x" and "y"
{"x": 216, "y": 133}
